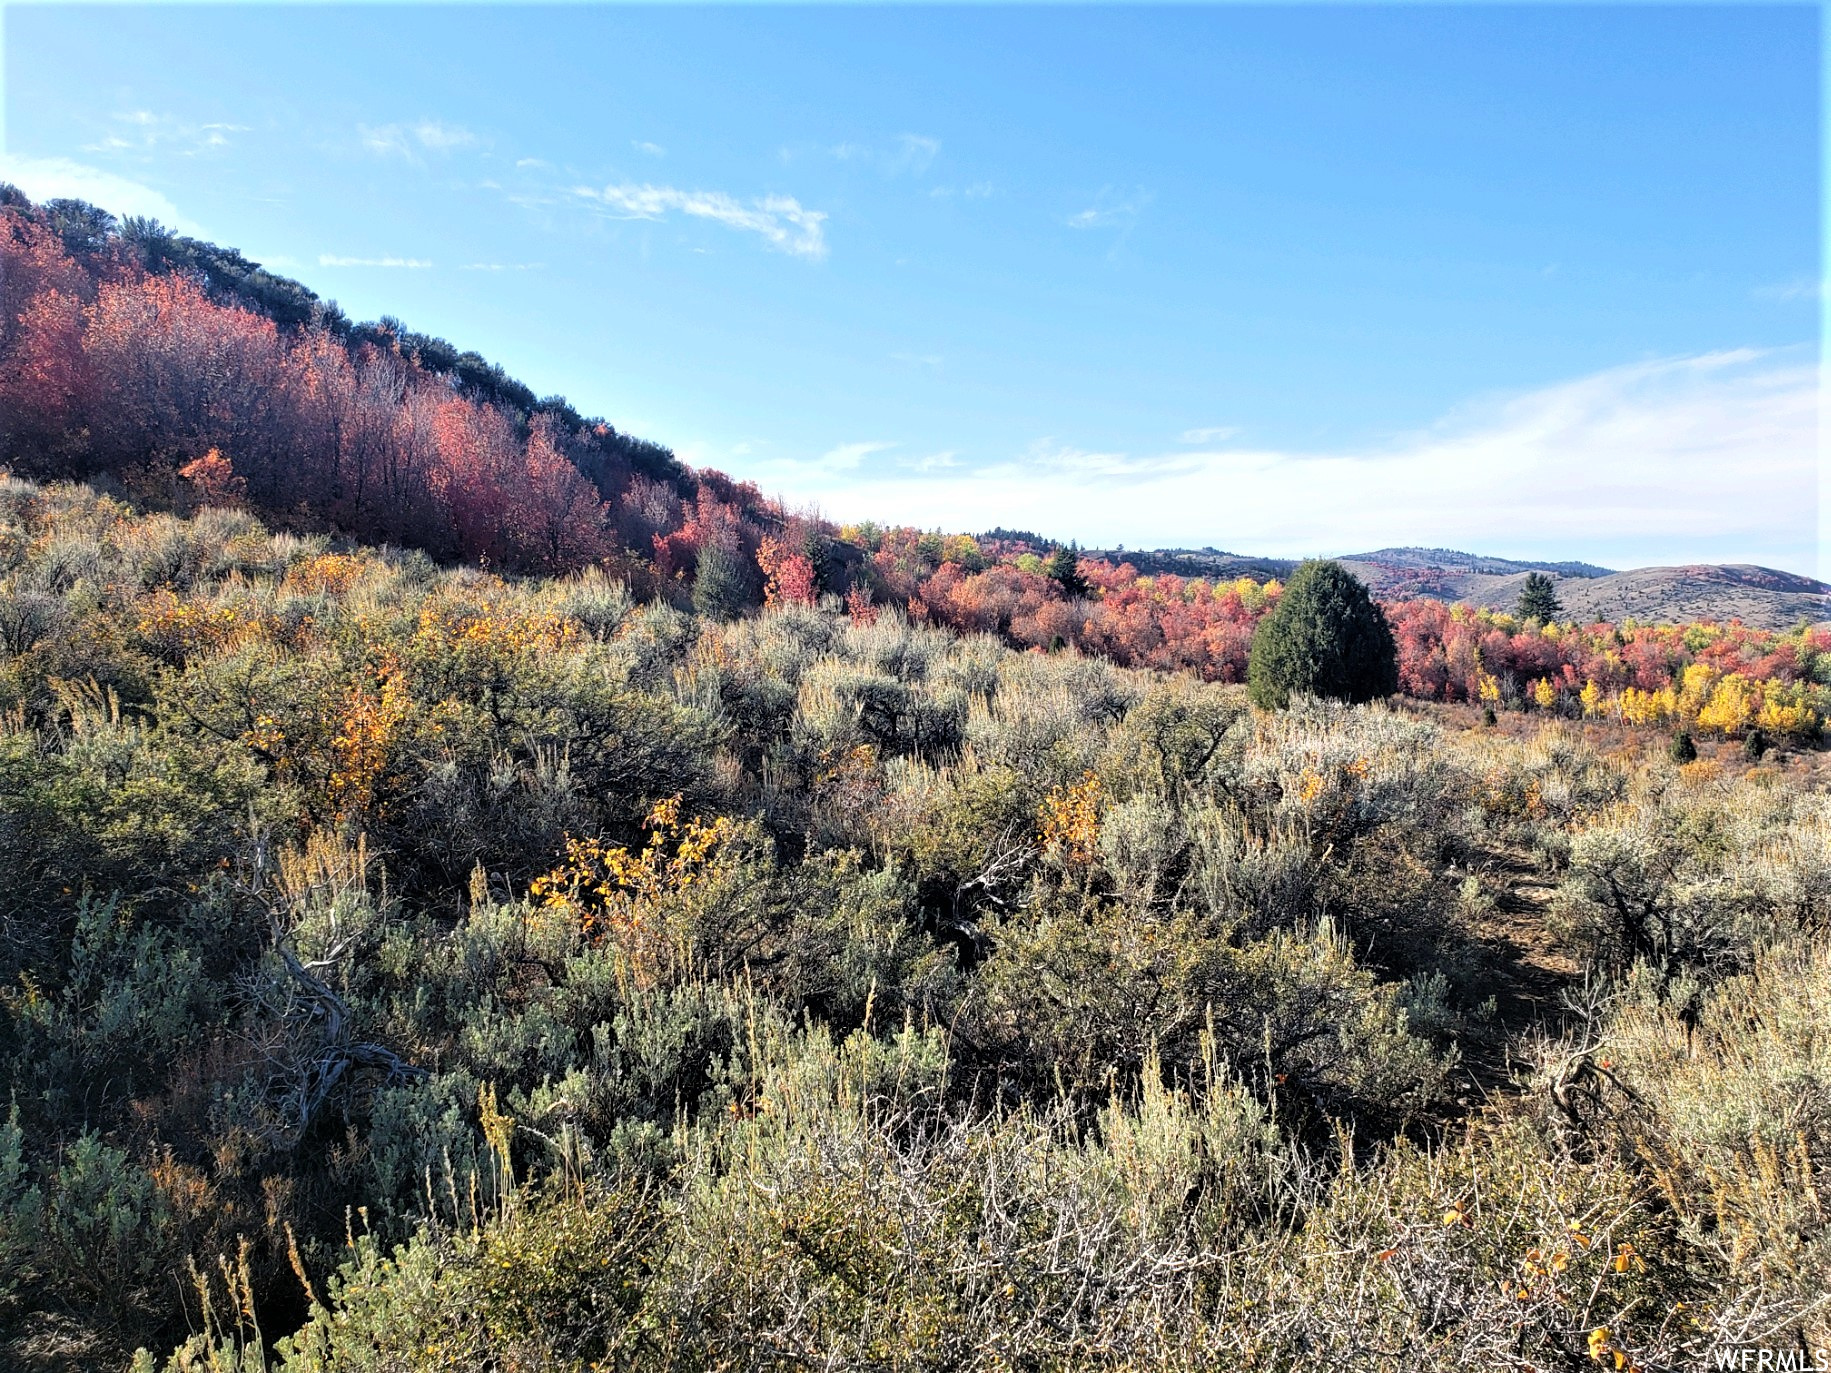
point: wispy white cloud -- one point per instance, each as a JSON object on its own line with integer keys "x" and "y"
{"x": 501, "y": 266}
{"x": 915, "y": 153}
{"x": 1111, "y": 210}
{"x": 442, "y": 137}
{"x": 847, "y": 456}
{"x": 976, "y": 190}
{"x": 410, "y": 140}
{"x": 333, "y": 260}
{"x": 648, "y": 149}
{"x": 1675, "y": 459}
{"x": 908, "y": 154}
{"x": 143, "y": 132}
{"x": 1094, "y": 466}
{"x": 929, "y": 360}
{"x": 800, "y": 473}
{"x": 54, "y": 178}
{"x": 1800, "y": 288}
{"x": 1213, "y": 434}
{"x": 389, "y": 140}
{"x": 781, "y": 221}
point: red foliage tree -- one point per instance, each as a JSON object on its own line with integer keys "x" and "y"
{"x": 170, "y": 374}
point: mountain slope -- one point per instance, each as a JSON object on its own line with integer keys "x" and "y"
{"x": 1758, "y": 596}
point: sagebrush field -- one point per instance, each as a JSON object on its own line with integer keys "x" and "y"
{"x": 412, "y": 968}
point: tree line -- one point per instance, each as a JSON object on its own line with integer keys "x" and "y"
{"x": 132, "y": 352}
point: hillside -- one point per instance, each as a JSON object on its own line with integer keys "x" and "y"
{"x": 1195, "y": 562}
{"x": 182, "y": 377}
{"x": 482, "y": 894}
{"x": 1759, "y": 596}
{"x": 180, "y": 373}
{"x": 1451, "y": 560}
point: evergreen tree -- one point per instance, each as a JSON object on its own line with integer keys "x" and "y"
{"x": 719, "y": 592}
{"x": 1325, "y": 637}
{"x": 1064, "y": 567}
{"x": 1538, "y": 599}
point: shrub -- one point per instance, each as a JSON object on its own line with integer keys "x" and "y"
{"x": 720, "y": 589}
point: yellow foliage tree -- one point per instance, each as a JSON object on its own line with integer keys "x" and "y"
{"x": 1784, "y": 709}
{"x": 610, "y": 890}
{"x": 1647, "y": 707}
{"x": 1695, "y": 689}
{"x": 365, "y": 738}
{"x": 1732, "y": 705}
{"x": 1070, "y": 821}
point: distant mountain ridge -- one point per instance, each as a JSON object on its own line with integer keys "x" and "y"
{"x": 1196, "y": 562}
{"x": 1762, "y": 596}
{"x": 1450, "y": 558}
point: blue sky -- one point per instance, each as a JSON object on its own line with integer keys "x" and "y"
{"x": 1290, "y": 279}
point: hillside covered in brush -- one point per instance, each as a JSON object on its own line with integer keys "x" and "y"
{"x": 178, "y": 370}
{"x": 181, "y": 373}
{"x": 406, "y": 967}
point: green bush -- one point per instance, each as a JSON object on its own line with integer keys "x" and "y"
{"x": 1325, "y": 637}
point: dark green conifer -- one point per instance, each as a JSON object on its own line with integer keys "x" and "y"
{"x": 1325, "y": 637}
{"x": 1538, "y": 599}
{"x": 1063, "y": 567}
{"x": 719, "y": 592}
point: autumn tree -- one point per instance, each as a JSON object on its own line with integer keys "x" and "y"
{"x": 213, "y": 478}
{"x": 1538, "y": 599}
{"x": 559, "y": 520}
{"x": 788, "y": 572}
{"x": 43, "y": 383}
{"x": 173, "y": 375}
{"x": 1326, "y": 637}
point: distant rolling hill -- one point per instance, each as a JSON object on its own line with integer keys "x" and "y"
{"x": 1707, "y": 591}
{"x": 1759, "y": 596}
{"x": 1448, "y": 559}
{"x": 1195, "y": 562}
